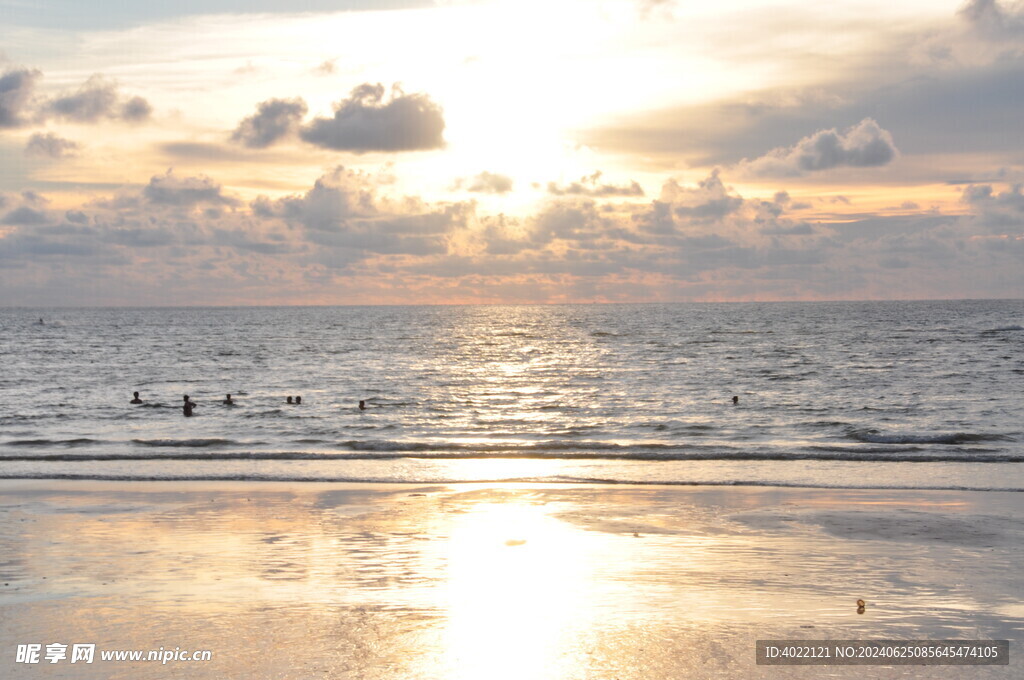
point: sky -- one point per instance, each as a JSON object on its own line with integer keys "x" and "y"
{"x": 240, "y": 152}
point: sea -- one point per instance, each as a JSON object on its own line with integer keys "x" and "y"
{"x": 916, "y": 395}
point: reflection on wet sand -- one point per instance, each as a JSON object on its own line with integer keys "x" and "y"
{"x": 495, "y": 581}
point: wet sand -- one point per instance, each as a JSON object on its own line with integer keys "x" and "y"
{"x": 497, "y": 581}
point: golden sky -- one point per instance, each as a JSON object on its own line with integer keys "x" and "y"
{"x": 361, "y": 152}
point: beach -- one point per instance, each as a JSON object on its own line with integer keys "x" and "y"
{"x": 288, "y": 580}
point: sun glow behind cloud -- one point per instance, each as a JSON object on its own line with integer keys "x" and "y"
{"x": 612, "y": 150}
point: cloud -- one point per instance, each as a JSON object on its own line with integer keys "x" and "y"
{"x": 986, "y": 32}
{"x": 589, "y": 186}
{"x": 485, "y": 183}
{"x": 136, "y": 109}
{"x": 326, "y": 68}
{"x": 999, "y": 212}
{"x": 51, "y": 145}
{"x": 15, "y": 95}
{"x": 577, "y": 221}
{"x": 274, "y": 119}
{"x": 952, "y": 111}
{"x": 992, "y": 21}
{"x": 24, "y": 215}
{"x": 185, "y": 192}
{"x": 863, "y": 145}
{"x": 345, "y": 236}
{"x": 343, "y": 216}
{"x": 333, "y": 199}
{"x": 96, "y": 100}
{"x": 366, "y": 122}
{"x": 949, "y": 89}
{"x": 710, "y": 200}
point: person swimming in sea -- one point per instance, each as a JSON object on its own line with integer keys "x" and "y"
{"x": 188, "y": 406}
{"x": 298, "y": 400}
{"x": 136, "y": 400}
{"x": 735, "y": 399}
{"x": 290, "y": 401}
{"x": 362, "y": 405}
{"x": 228, "y": 401}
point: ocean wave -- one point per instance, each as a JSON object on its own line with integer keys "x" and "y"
{"x": 190, "y": 442}
{"x": 788, "y": 485}
{"x": 551, "y": 445}
{"x": 1003, "y": 329}
{"x": 816, "y": 453}
{"x": 827, "y": 424}
{"x": 557, "y": 479}
{"x": 81, "y": 441}
{"x": 874, "y": 437}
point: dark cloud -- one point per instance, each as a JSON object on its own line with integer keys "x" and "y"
{"x": 33, "y": 199}
{"x": 983, "y": 195}
{"x": 16, "y": 95}
{"x": 967, "y": 104}
{"x": 96, "y": 100}
{"x": 367, "y": 122}
{"x": 51, "y": 145}
{"x": 710, "y": 200}
{"x": 863, "y": 145}
{"x": 703, "y": 234}
{"x": 274, "y": 119}
{"x": 590, "y": 186}
{"x": 136, "y": 109}
{"x": 993, "y": 20}
{"x": 999, "y": 212}
{"x": 141, "y": 237}
{"x": 22, "y": 246}
{"x": 184, "y": 192}
{"x": 343, "y": 217}
{"x": 787, "y": 229}
{"x": 23, "y": 216}
{"x": 957, "y": 110}
{"x": 243, "y": 240}
{"x": 334, "y": 199}
{"x": 658, "y": 219}
{"x": 485, "y": 183}
{"x": 573, "y": 221}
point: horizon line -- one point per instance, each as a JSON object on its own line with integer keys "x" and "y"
{"x": 515, "y": 304}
